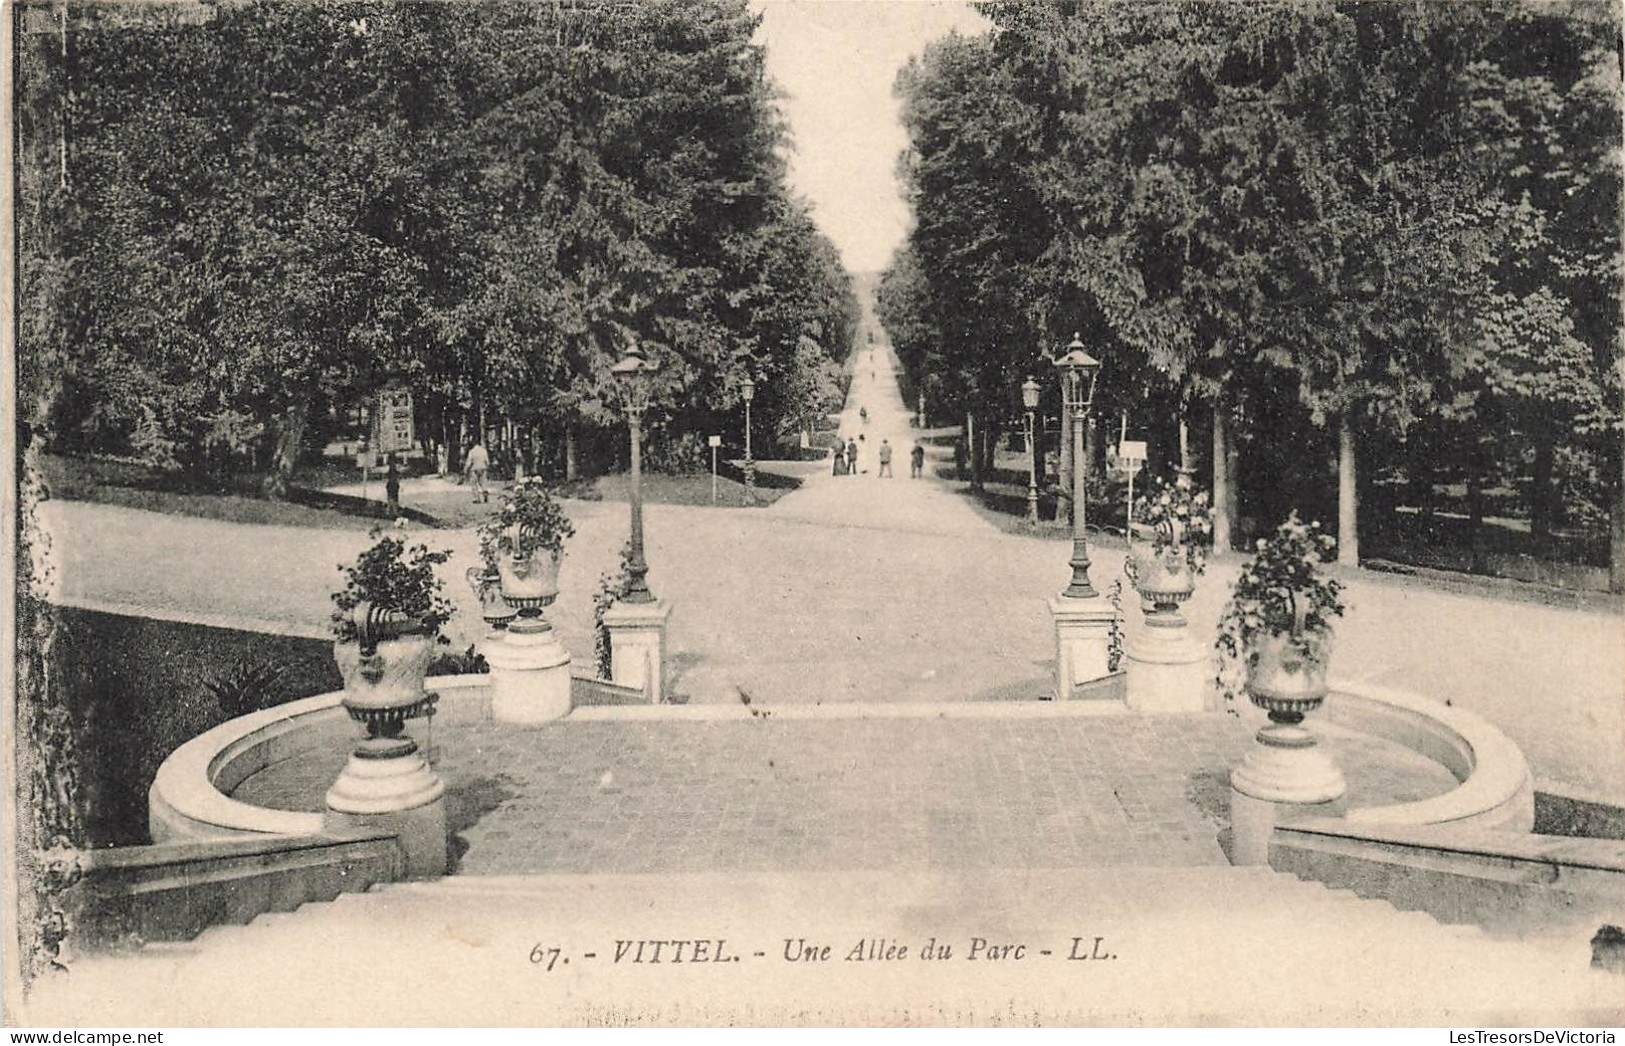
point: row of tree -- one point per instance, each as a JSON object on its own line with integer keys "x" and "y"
{"x": 1385, "y": 234}
{"x": 239, "y": 221}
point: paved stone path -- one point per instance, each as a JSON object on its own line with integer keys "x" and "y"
{"x": 630, "y": 793}
{"x": 867, "y": 589}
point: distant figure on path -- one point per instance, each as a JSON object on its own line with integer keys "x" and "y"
{"x": 478, "y": 462}
{"x": 863, "y": 415}
{"x": 851, "y": 457}
{"x": 916, "y": 461}
{"x": 839, "y": 468}
{"x": 885, "y": 460}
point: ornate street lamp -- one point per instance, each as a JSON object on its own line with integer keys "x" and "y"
{"x": 1078, "y": 371}
{"x": 1029, "y": 399}
{"x": 747, "y": 392}
{"x": 633, "y": 375}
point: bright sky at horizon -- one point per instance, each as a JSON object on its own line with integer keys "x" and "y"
{"x": 836, "y": 61}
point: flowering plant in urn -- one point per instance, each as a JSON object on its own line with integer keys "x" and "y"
{"x": 1178, "y": 517}
{"x": 1171, "y": 533}
{"x": 1275, "y": 634}
{"x": 525, "y": 539}
{"x": 386, "y": 621}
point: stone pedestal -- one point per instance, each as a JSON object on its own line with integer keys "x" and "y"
{"x": 530, "y": 673}
{"x": 1083, "y": 632}
{"x": 1285, "y": 776}
{"x": 1167, "y": 670}
{"x": 637, "y": 644}
{"x": 387, "y": 786}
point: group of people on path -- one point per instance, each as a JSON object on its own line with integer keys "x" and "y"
{"x": 846, "y": 461}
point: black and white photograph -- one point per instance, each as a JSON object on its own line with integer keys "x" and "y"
{"x": 813, "y": 513}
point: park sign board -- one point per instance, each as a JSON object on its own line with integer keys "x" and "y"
{"x": 394, "y": 433}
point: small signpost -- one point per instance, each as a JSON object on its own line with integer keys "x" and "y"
{"x": 1130, "y": 458}
{"x": 364, "y": 459}
{"x": 715, "y": 442}
{"x": 392, "y": 432}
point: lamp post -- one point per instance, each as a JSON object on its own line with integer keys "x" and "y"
{"x": 1029, "y": 399}
{"x": 747, "y": 392}
{"x": 1077, "y": 371}
{"x": 633, "y": 374}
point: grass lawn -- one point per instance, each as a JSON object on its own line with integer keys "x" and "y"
{"x": 661, "y": 489}
{"x": 135, "y": 486}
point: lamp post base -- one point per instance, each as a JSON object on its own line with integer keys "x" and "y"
{"x": 637, "y": 644}
{"x": 1083, "y": 630}
{"x": 1079, "y": 587}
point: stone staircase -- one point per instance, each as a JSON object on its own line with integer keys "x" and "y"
{"x": 1054, "y": 946}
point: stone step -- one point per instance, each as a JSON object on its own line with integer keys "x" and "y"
{"x": 1094, "y": 945}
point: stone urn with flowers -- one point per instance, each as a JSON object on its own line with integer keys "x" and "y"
{"x": 524, "y": 542}
{"x": 1169, "y": 539}
{"x": 1275, "y": 643}
{"x": 386, "y": 623}
{"x": 1165, "y": 667}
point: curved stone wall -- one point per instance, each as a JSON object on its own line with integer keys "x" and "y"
{"x": 1496, "y": 788}
{"x": 190, "y": 797}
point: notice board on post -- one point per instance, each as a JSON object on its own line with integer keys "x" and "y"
{"x": 393, "y": 432}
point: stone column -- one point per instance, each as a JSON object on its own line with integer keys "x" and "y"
{"x": 1166, "y": 670}
{"x": 530, "y": 673}
{"x": 1286, "y": 776}
{"x": 387, "y": 786}
{"x": 637, "y": 644}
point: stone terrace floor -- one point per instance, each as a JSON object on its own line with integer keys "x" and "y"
{"x": 643, "y": 794}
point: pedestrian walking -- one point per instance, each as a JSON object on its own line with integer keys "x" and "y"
{"x": 885, "y": 460}
{"x": 839, "y": 468}
{"x": 478, "y": 463}
{"x": 916, "y": 461}
{"x": 851, "y": 457}
{"x": 863, "y": 415}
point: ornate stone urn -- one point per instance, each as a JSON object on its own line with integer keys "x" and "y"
{"x": 487, "y": 585}
{"x": 384, "y": 667}
{"x": 386, "y": 783}
{"x": 1159, "y": 566}
{"x": 1286, "y": 677}
{"x": 531, "y": 581}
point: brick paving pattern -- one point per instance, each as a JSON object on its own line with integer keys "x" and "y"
{"x": 851, "y": 793}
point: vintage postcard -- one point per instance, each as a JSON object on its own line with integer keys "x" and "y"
{"x": 814, "y": 513}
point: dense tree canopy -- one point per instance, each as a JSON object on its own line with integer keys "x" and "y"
{"x": 267, "y": 211}
{"x": 1397, "y": 223}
